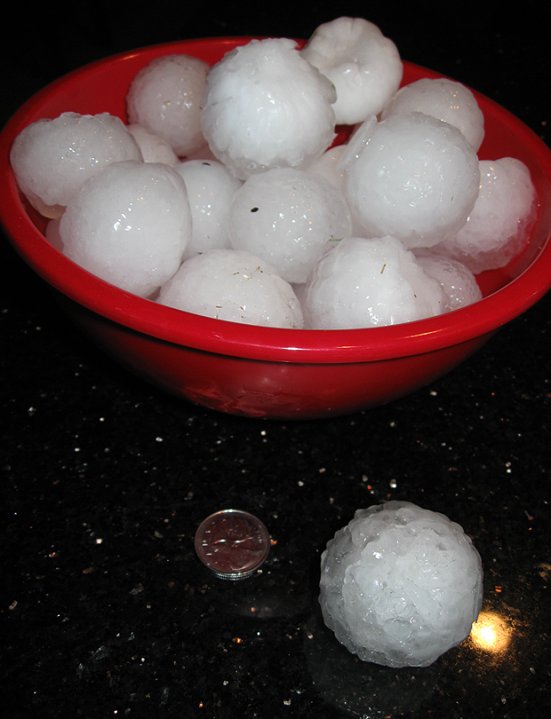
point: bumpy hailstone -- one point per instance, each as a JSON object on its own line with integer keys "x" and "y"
{"x": 496, "y": 229}
{"x": 210, "y": 188}
{"x": 444, "y": 99}
{"x": 52, "y": 158}
{"x": 129, "y": 225}
{"x": 363, "y": 65}
{"x": 153, "y": 147}
{"x": 415, "y": 178}
{"x": 287, "y": 216}
{"x": 457, "y": 281}
{"x": 266, "y": 106}
{"x": 400, "y": 585}
{"x": 165, "y": 98}
{"x": 368, "y": 282}
{"x": 232, "y": 285}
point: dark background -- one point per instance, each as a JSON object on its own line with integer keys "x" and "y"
{"x": 106, "y": 611}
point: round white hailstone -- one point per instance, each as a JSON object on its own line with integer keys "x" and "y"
{"x": 415, "y": 178}
{"x": 153, "y": 147}
{"x": 266, "y": 106}
{"x": 52, "y": 158}
{"x": 165, "y": 97}
{"x": 287, "y": 216}
{"x": 363, "y": 65}
{"x": 444, "y": 99}
{"x": 457, "y": 281}
{"x": 232, "y": 285}
{"x": 210, "y": 188}
{"x": 496, "y": 229}
{"x": 400, "y": 585}
{"x": 368, "y": 282}
{"x": 129, "y": 225}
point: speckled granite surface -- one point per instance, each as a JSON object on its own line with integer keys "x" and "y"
{"x": 106, "y": 610}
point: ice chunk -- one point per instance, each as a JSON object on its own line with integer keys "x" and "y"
{"x": 444, "y": 99}
{"x": 413, "y": 177}
{"x": 266, "y": 106}
{"x": 368, "y": 282}
{"x": 400, "y": 585}
{"x": 165, "y": 98}
{"x": 129, "y": 225}
{"x": 233, "y": 285}
{"x": 456, "y": 279}
{"x": 153, "y": 147}
{"x": 363, "y": 65}
{"x": 287, "y": 216}
{"x": 52, "y": 158}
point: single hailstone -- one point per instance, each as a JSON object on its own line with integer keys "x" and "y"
{"x": 52, "y": 158}
{"x": 496, "y": 228}
{"x": 413, "y": 177}
{"x": 129, "y": 225}
{"x": 400, "y": 585}
{"x": 444, "y": 99}
{"x": 165, "y": 98}
{"x": 363, "y": 65}
{"x": 233, "y": 285}
{"x": 287, "y": 216}
{"x": 456, "y": 279}
{"x": 368, "y": 282}
{"x": 210, "y": 188}
{"x": 265, "y": 106}
{"x": 153, "y": 147}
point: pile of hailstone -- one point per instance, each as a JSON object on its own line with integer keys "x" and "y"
{"x": 400, "y": 585}
{"x": 225, "y": 194}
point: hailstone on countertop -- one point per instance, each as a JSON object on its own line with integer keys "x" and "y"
{"x": 265, "y": 106}
{"x": 363, "y": 65}
{"x": 400, "y": 585}
{"x": 52, "y": 158}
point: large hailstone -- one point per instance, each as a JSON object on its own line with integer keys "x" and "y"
{"x": 363, "y": 65}
{"x": 235, "y": 286}
{"x": 496, "y": 228}
{"x": 129, "y": 225}
{"x": 165, "y": 98}
{"x": 52, "y": 158}
{"x": 413, "y": 177}
{"x": 400, "y": 585}
{"x": 265, "y": 106}
{"x": 287, "y": 216}
{"x": 444, "y": 99}
{"x": 368, "y": 282}
{"x": 456, "y": 279}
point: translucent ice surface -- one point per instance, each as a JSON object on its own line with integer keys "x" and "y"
{"x": 400, "y": 585}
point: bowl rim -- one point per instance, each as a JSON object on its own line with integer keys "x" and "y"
{"x": 250, "y": 341}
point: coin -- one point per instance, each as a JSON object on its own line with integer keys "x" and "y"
{"x": 232, "y": 543}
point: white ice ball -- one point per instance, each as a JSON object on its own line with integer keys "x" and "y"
{"x": 363, "y": 65}
{"x": 496, "y": 228}
{"x": 153, "y": 147}
{"x": 368, "y": 282}
{"x": 129, "y": 225}
{"x": 287, "y": 216}
{"x": 400, "y": 585}
{"x": 444, "y": 99}
{"x": 456, "y": 279}
{"x": 52, "y": 158}
{"x": 210, "y": 188}
{"x": 266, "y": 106}
{"x": 232, "y": 285}
{"x": 414, "y": 177}
{"x": 165, "y": 98}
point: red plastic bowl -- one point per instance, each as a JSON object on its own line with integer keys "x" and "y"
{"x": 258, "y": 371}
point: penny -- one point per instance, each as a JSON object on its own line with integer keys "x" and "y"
{"x": 232, "y": 543}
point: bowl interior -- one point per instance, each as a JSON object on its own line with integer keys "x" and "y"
{"x": 102, "y": 87}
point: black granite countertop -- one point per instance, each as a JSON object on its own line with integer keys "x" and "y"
{"x": 107, "y": 612}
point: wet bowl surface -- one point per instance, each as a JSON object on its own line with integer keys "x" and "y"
{"x": 259, "y": 371}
